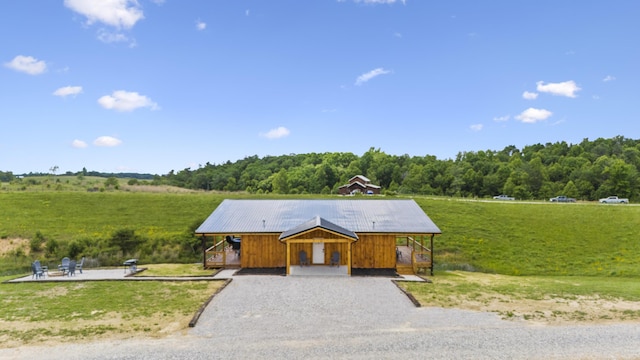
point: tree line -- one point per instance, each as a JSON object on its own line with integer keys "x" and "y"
{"x": 589, "y": 170}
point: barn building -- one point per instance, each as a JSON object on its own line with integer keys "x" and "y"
{"x": 319, "y": 234}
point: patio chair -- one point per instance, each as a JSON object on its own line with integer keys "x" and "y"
{"x": 64, "y": 265}
{"x": 38, "y": 270}
{"x": 335, "y": 259}
{"x": 304, "y": 260}
{"x": 72, "y": 268}
{"x": 80, "y": 264}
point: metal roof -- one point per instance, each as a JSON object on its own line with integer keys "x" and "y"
{"x": 277, "y": 216}
{"x": 318, "y": 222}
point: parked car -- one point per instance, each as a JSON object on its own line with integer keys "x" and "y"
{"x": 614, "y": 200}
{"x": 504, "y": 197}
{"x": 562, "y": 198}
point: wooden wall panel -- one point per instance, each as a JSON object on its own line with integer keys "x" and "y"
{"x": 262, "y": 251}
{"x": 374, "y": 251}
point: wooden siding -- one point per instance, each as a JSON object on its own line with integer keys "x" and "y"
{"x": 262, "y": 251}
{"x": 332, "y": 242}
{"x": 370, "y": 251}
{"x": 374, "y": 251}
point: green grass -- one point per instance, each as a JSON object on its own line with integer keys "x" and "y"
{"x": 175, "y": 270}
{"x": 72, "y": 215}
{"x": 536, "y": 239}
{"x": 512, "y": 238}
{"x": 547, "y": 298}
{"x": 85, "y": 310}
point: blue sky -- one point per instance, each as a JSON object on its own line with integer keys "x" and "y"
{"x": 153, "y": 86}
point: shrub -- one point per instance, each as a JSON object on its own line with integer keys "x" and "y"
{"x": 35, "y": 244}
{"x": 75, "y": 249}
{"x": 125, "y": 239}
{"x": 52, "y": 247}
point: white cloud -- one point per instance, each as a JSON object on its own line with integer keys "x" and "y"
{"x": 107, "y": 141}
{"x": 27, "y": 64}
{"x": 370, "y": 75}
{"x": 609, "y": 78}
{"x": 114, "y": 37}
{"x": 567, "y": 88}
{"x": 529, "y": 95}
{"x": 476, "y": 127}
{"x": 276, "y": 133}
{"x": 502, "y": 118}
{"x": 200, "y": 25}
{"x": 79, "y": 144}
{"x": 68, "y": 90}
{"x": 121, "y": 14}
{"x": 532, "y": 115}
{"x": 126, "y": 101}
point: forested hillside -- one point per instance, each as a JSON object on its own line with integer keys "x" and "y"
{"x": 587, "y": 171}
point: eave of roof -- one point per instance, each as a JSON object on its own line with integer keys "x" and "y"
{"x": 318, "y": 223}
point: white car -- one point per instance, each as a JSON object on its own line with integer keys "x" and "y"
{"x": 614, "y": 200}
{"x": 503, "y": 197}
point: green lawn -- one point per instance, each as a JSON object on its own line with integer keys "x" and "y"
{"x": 539, "y": 261}
{"x": 536, "y": 239}
{"x": 72, "y": 311}
{"x": 541, "y": 298}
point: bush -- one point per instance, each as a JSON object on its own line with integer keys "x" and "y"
{"x": 125, "y": 239}
{"x": 75, "y": 249}
{"x": 35, "y": 244}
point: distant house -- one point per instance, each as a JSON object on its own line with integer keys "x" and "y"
{"x": 359, "y": 184}
{"x": 363, "y": 234}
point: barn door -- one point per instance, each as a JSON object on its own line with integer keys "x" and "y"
{"x": 318, "y": 253}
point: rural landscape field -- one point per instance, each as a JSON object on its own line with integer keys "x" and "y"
{"x": 534, "y": 260}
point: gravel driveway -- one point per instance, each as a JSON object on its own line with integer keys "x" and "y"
{"x": 277, "y": 317}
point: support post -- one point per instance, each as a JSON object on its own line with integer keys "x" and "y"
{"x": 432, "y": 235}
{"x": 288, "y": 258}
{"x": 204, "y": 252}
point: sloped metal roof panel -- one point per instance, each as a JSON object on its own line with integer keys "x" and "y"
{"x": 277, "y": 216}
{"x": 318, "y": 222}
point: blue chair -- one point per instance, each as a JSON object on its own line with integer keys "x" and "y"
{"x": 64, "y": 265}
{"x": 335, "y": 258}
{"x": 38, "y": 270}
{"x": 72, "y": 268}
{"x": 80, "y": 264}
{"x": 304, "y": 260}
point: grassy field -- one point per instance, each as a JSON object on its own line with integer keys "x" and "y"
{"x": 545, "y": 299}
{"x": 174, "y": 270}
{"x": 72, "y": 215}
{"x": 38, "y": 313}
{"x": 517, "y": 238}
{"x": 537, "y": 261}
{"x": 512, "y": 238}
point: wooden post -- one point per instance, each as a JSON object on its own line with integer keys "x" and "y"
{"x": 288, "y": 258}
{"x": 432, "y": 235}
{"x": 204, "y": 252}
{"x": 349, "y": 244}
